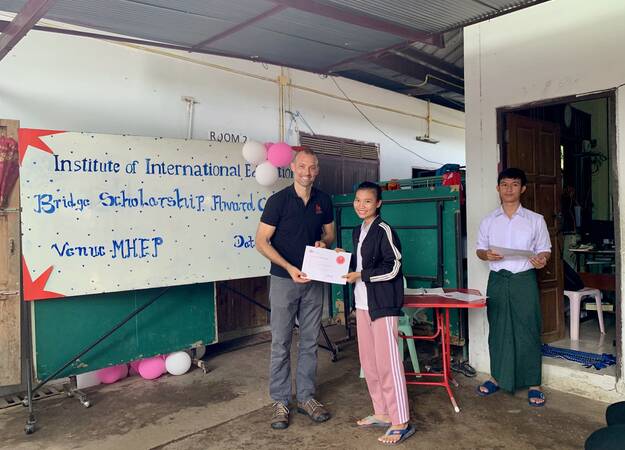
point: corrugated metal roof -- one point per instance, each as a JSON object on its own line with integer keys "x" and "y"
{"x": 452, "y": 51}
{"x": 304, "y": 39}
{"x": 156, "y": 20}
{"x": 432, "y": 16}
{"x": 366, "y": 39}
{"x": 260, "y": 44}
{"x": 328, "y": 31}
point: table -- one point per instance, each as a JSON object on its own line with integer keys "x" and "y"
{"x": 440, "y": 304}
{"x": 598, "y": 256}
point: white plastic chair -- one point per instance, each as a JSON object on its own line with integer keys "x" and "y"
{"x": 575, "y": 300}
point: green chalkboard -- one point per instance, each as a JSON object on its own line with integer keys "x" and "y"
{"x": 183, "y": 317}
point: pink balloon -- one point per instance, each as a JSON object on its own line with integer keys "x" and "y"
{"x": 280, "y": 154}
{"x": 268, "y": 144}
{"x": 124, "y": 370}
{"x": 108, "y": 375}
{"x": 134, "y": 367}
{"x": 151, "y": 368}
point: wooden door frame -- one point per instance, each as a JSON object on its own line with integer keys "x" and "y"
{"x": 24, "y": 311}
{"x": 610, "y": 95}
{"x": 612, "y": 152}
{"x": 550, "y": 279}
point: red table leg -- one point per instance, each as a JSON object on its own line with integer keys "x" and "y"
{"x": 442, "y": 331}
{"x": 446, "y": 345}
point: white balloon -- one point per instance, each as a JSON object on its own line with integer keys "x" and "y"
{"x": 254, "y": 152}
{"x": 266, "y": 174}
{"x": 178, "y": 363}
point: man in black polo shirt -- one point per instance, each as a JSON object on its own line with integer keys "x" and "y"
{"x": 293, "y": 218}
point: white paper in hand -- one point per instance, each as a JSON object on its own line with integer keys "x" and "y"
{"x": 512, "y": 253}
{"x": 322, "y": 264}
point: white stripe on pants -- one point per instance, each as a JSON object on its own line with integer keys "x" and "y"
{"x": 383, "y": 367}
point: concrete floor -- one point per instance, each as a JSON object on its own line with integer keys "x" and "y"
{"x": 228, "y": 408}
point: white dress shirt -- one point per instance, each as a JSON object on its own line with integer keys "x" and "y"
{"x": 360, "y": 289}
{"x": 526, "y": 230}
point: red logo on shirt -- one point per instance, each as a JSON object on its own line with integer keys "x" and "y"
{"x": 318, "y": 209}
{"x": 340, "y": 259}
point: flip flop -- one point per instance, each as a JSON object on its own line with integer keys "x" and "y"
{"x": 372, "y": 421}
{"x": 491, "y": 388}
{"x": 535, "y": 393}
{"x": 403, "y": 434}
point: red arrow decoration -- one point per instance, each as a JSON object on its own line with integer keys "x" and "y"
{"x": 34, "y": 290}
{"x": 29, "y": 137}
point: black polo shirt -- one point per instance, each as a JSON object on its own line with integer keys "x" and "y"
{"x": 297, "y": 225}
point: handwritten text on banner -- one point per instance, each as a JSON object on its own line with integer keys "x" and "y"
{"x": 104, "y": 213}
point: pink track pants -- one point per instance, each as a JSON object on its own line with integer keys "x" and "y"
{"x": 383, "y": 367}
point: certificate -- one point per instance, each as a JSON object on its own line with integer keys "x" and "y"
{"x": 322, "y": 264}
{"x": 512, "y": 253}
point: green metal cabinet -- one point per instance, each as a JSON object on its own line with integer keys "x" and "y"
{"x": 428, "y": 219}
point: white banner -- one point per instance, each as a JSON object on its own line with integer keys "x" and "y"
{"x": 104, "y": 213}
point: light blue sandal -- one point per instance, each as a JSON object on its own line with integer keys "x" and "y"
{"x": 403, "y": 434}
{"x": 372, "y": 421}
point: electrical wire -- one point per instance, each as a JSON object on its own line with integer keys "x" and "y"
{"x": 295, "y": 115}
{"x": 379, "y": 129}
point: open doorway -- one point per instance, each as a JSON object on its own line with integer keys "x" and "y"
{"x": 567, "y": 149}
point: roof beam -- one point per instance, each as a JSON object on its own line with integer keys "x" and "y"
{"x": 414, "y": 54}
{"x": 276, "y": 9}
{"x": 28, "y": 16}
{"x": 420, "y": 72}
{"x": 363, "y": 20}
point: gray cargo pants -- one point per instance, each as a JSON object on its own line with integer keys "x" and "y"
{"x": 288, "y": 301}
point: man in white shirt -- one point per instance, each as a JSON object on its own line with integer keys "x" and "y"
{"x": 513, "y": 297}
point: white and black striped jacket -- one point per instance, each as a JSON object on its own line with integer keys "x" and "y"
{"x": 381, "y": 269}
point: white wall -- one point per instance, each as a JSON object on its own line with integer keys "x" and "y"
{"x": 558, "y": 48}
{"x": 61, "y": 82}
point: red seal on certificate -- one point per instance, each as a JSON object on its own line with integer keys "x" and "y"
{"x": 340, "y": 259}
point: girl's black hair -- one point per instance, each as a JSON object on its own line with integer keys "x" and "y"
{"x": 373, "y": 187}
